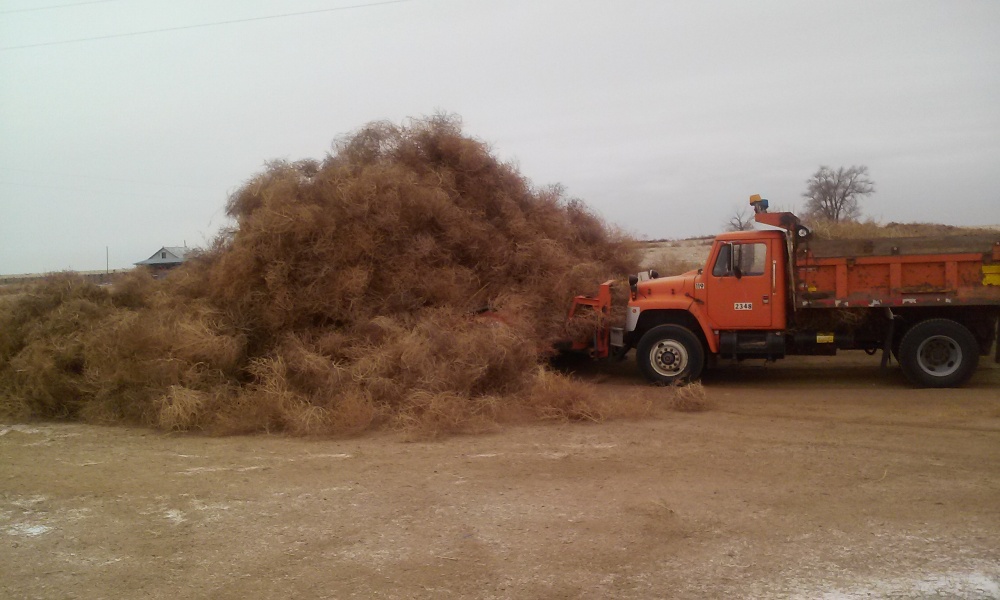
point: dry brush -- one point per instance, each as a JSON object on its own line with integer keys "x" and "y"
{"x": 409, "y": 279}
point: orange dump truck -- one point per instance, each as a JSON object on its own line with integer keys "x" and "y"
{"x": 933, "y": 303}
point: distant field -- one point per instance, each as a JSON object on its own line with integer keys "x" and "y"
{"x": 673, "y": 257}
{"x": 676, "y": 257}
{"x": 95, "y": 276}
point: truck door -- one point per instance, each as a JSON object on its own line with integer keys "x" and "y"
{"x": 738, "y": 289}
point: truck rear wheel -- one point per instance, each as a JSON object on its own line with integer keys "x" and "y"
{"x": 669, "y": 354}
{"x": 938, "y": 353}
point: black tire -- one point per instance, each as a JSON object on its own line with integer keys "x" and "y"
{"x": 670, "y": 354}
{"x": 938, "y": 353}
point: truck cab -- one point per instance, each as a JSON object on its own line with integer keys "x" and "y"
{"x": 741, "y": 288}
{"x": 743, "y": 282}
{"x": 934, "y": 304}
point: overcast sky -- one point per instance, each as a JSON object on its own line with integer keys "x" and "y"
{"x": 663, "y": 116}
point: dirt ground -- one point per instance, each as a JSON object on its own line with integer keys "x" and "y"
{"x": 813, "y": 478}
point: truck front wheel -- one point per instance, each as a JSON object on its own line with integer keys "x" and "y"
{"x": 670, "y": 353}
{"x": 938, "y": 353}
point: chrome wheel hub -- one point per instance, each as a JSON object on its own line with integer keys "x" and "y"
{"x": 939, "y": 356}
{"x": 668, "y": 358}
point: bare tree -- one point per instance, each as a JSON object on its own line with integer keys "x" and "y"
{"x": 834, "y": 195}
{"x": 741, "y": 219}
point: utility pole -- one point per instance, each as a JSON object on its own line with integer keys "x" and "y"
{"x": 107, "y": 261}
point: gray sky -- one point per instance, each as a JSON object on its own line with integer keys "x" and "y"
{"x": 663, "y": 116}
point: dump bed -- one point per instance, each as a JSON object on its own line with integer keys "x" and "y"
{"x": 954, "y": 270}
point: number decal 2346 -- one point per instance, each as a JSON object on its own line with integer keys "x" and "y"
{"x": 743, "y": 306}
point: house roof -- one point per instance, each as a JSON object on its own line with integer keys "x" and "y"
{"x": 167, "y": 255}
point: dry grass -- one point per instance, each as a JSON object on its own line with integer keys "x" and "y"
{"x": 348, "y": 297}
{"x": 690, "y": 397}
{"x": 666, "y": 264}
{"x": 11, "y": 293}
{"x": 181, "y": 408}
{"x": 675, "y": 257}
{"x": 873, "y": 229}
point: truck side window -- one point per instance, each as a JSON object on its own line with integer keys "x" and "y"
{"x": 721, "y": 268}
{"x": 753, "y": 259}
{"x": 750, "y": 258}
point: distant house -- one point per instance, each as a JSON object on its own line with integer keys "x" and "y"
{"x": 165, "y": 258}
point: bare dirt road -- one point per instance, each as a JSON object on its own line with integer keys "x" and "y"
{"x": 816, "y": 478}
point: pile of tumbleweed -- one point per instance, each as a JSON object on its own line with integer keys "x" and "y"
{"x": 409, "y": 279}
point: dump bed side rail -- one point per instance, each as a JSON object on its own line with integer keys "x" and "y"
{"x": 897, "y": 272}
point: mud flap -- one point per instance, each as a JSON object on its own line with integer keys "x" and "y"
{"x": 887, "y": 342}
{"x": 996, "y": 343}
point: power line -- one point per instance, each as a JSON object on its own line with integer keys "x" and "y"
{"x": 89, "y": 191}
{"x": 20, "y": 10}
{"x": 116, "y": 179}
{"x": 199, "y": 25}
